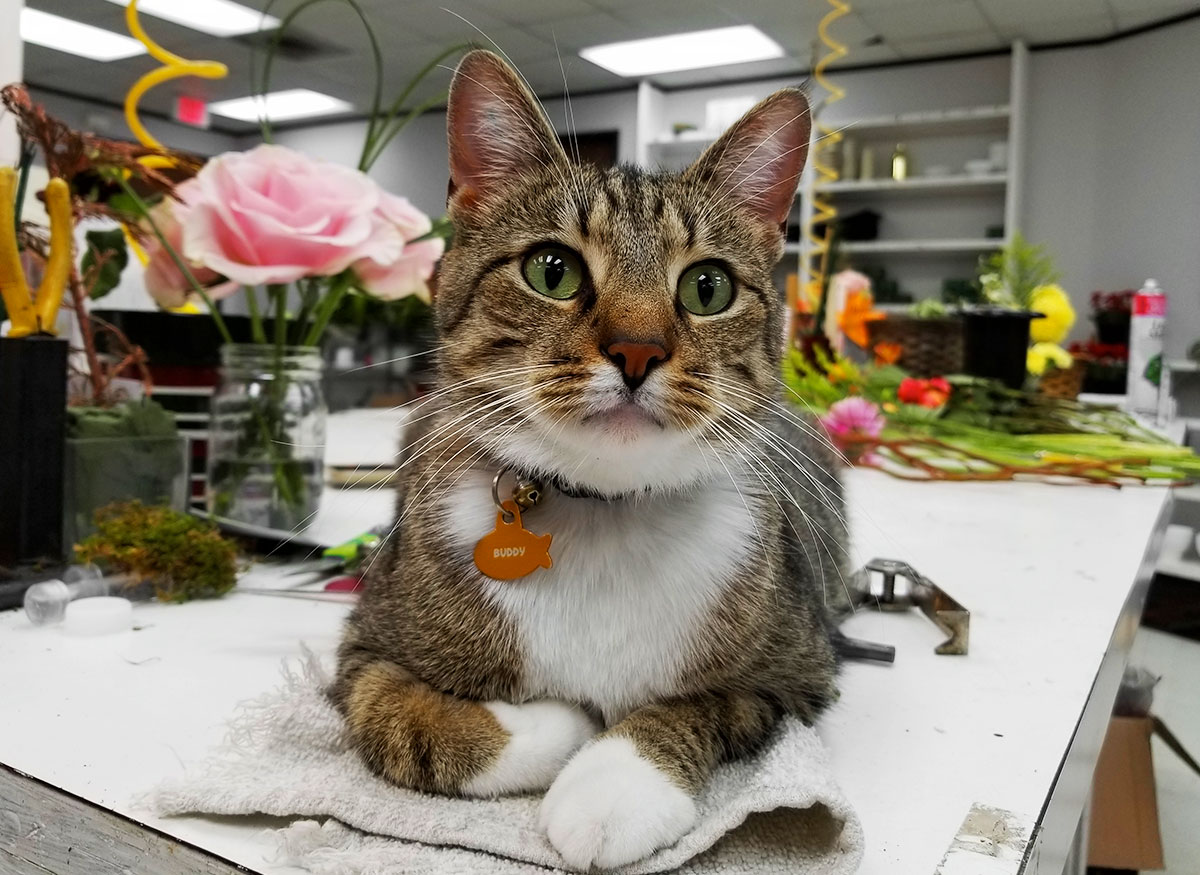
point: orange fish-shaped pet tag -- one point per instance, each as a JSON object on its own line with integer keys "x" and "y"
{"x": 510, "y": 551}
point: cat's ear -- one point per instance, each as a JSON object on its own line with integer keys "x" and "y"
{"x": 758, "y": 161}
{"x": 496, "y": 129}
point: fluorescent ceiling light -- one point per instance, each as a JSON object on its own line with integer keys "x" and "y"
{"x": 280, "y": 106}
{"x": 218, "y": 17}
{"x": 75, "y": 37}
{"x": 685, "y": 51}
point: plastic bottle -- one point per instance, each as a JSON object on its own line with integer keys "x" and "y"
{"x": 900, "y": 163}
{"x": 1146, "y": 329}
{"x": 866, "y": 164}
{"x": 46, "y": 602}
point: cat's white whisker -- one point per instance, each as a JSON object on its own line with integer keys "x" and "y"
{"x": 404, "y": 358}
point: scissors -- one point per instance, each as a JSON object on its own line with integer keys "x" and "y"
{"x": 30, "y": 313}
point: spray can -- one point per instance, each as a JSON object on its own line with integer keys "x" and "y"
{"x": 1146, "y": 329}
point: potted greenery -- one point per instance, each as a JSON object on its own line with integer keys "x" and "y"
{"x": 996, "y": 333}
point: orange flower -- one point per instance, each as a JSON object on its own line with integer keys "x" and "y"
{"x": 854, "y": 318}
{"x": 888, "y": 353}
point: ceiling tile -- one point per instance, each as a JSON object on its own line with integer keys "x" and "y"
{"x": 528, "y": 11}
{"x": 1159, "y": 5}
{"x": 873, "y": 5}
{"x": 519, "y": 45}
{"x": 1131, "y": 15}
{"x": 1048, "y": 32}
{"x": 591, "y": 30}
{"x": 851, "y": 30}
{"x": 546, "y": 77}
{"x": 658, "y": 17}
{"x": 950, "y": 45}
{"x": 448, "y": 20}
{"x": 1030, "y": 12}
{"x": 934, "y": 19}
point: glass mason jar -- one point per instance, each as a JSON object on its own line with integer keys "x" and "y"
{"x": 266, "y": 436}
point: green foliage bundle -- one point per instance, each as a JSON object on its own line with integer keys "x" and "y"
{"x": 183, "y": 557}
{"x": 1009, "y": 276}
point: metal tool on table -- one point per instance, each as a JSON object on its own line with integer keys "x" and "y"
{"x": 335, "y": 570}
{"x": 903, "y": 587}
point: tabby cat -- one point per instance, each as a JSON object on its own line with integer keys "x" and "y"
{"x": 614, "y": 336}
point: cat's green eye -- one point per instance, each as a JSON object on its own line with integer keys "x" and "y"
{"x": 705, "y": 289}
{"x": 554, "y": 272}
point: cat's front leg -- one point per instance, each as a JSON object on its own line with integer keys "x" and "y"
{"x": 422, "y": 738}
{"x": 630, "y": 791}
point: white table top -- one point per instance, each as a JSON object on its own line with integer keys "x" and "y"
{"x": 1043, "y": 569}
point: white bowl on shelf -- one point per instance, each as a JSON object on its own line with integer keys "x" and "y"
{"x": 978, "y": 167}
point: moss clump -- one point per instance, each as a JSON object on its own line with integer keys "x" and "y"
{"x": 183, "y": 557}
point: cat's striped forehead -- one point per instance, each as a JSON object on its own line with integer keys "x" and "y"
{"x": 625, "y": 220}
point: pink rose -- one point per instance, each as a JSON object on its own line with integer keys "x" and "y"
{"x": 272, "y": 215}
{"x": 409, "y": 273}
{"x": 164, "y": 280}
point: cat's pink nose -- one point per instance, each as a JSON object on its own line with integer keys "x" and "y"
{"x": 635, "y": 359}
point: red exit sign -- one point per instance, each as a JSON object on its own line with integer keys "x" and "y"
{"x": 191, "y": 111}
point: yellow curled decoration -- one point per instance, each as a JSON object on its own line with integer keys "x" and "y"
{"x": 823, "y": 210}
{"x": 173, "y": 68}
{"x": 35, "y": 314}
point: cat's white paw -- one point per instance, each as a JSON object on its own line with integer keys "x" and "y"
{"x": 543, "y": 736}
{"x": 609, "y": 806}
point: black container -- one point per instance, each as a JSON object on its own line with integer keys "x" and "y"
{"x": 996, "y": 342}
{"x": 1112, "y": 328}
{"x": 33, "y": 414}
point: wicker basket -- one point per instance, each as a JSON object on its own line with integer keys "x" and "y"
{"x": 1063, "y": 382}
{"x": 929, "y": 347}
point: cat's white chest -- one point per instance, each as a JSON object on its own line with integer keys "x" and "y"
{"x": 634, "y": 582}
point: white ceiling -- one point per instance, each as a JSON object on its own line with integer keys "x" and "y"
{"x": 411, "y": 32}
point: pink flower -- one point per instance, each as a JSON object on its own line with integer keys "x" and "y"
{"x": 853, "y": 418}
{"x": 410, "y": 272}
{"x": 272, "y": 215}
{"x": 852, "y": 281}
{"x": 851, "y": 424}
{"x": 164, "y": 280}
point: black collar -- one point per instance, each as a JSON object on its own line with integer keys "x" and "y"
{"x": 577, "y": 490}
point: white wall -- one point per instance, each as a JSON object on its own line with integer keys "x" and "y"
{"x": 600, "y": 112}
{"x": 1112, "y": 186}
{"x": 413, "y": 165}
{"x": 12, "y": 54}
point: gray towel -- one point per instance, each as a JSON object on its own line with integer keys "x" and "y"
{"x": 779, "y": 812}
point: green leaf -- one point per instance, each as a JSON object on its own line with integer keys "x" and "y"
{"x": 107, "y": 248}
{"x": 124, "y": 204}
{"x": 442, "y": 227}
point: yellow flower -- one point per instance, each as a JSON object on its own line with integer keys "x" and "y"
{"x": 1042, "y": 354}
{"x": 1053, "y": 302}
{"x": 812, "y": 296}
